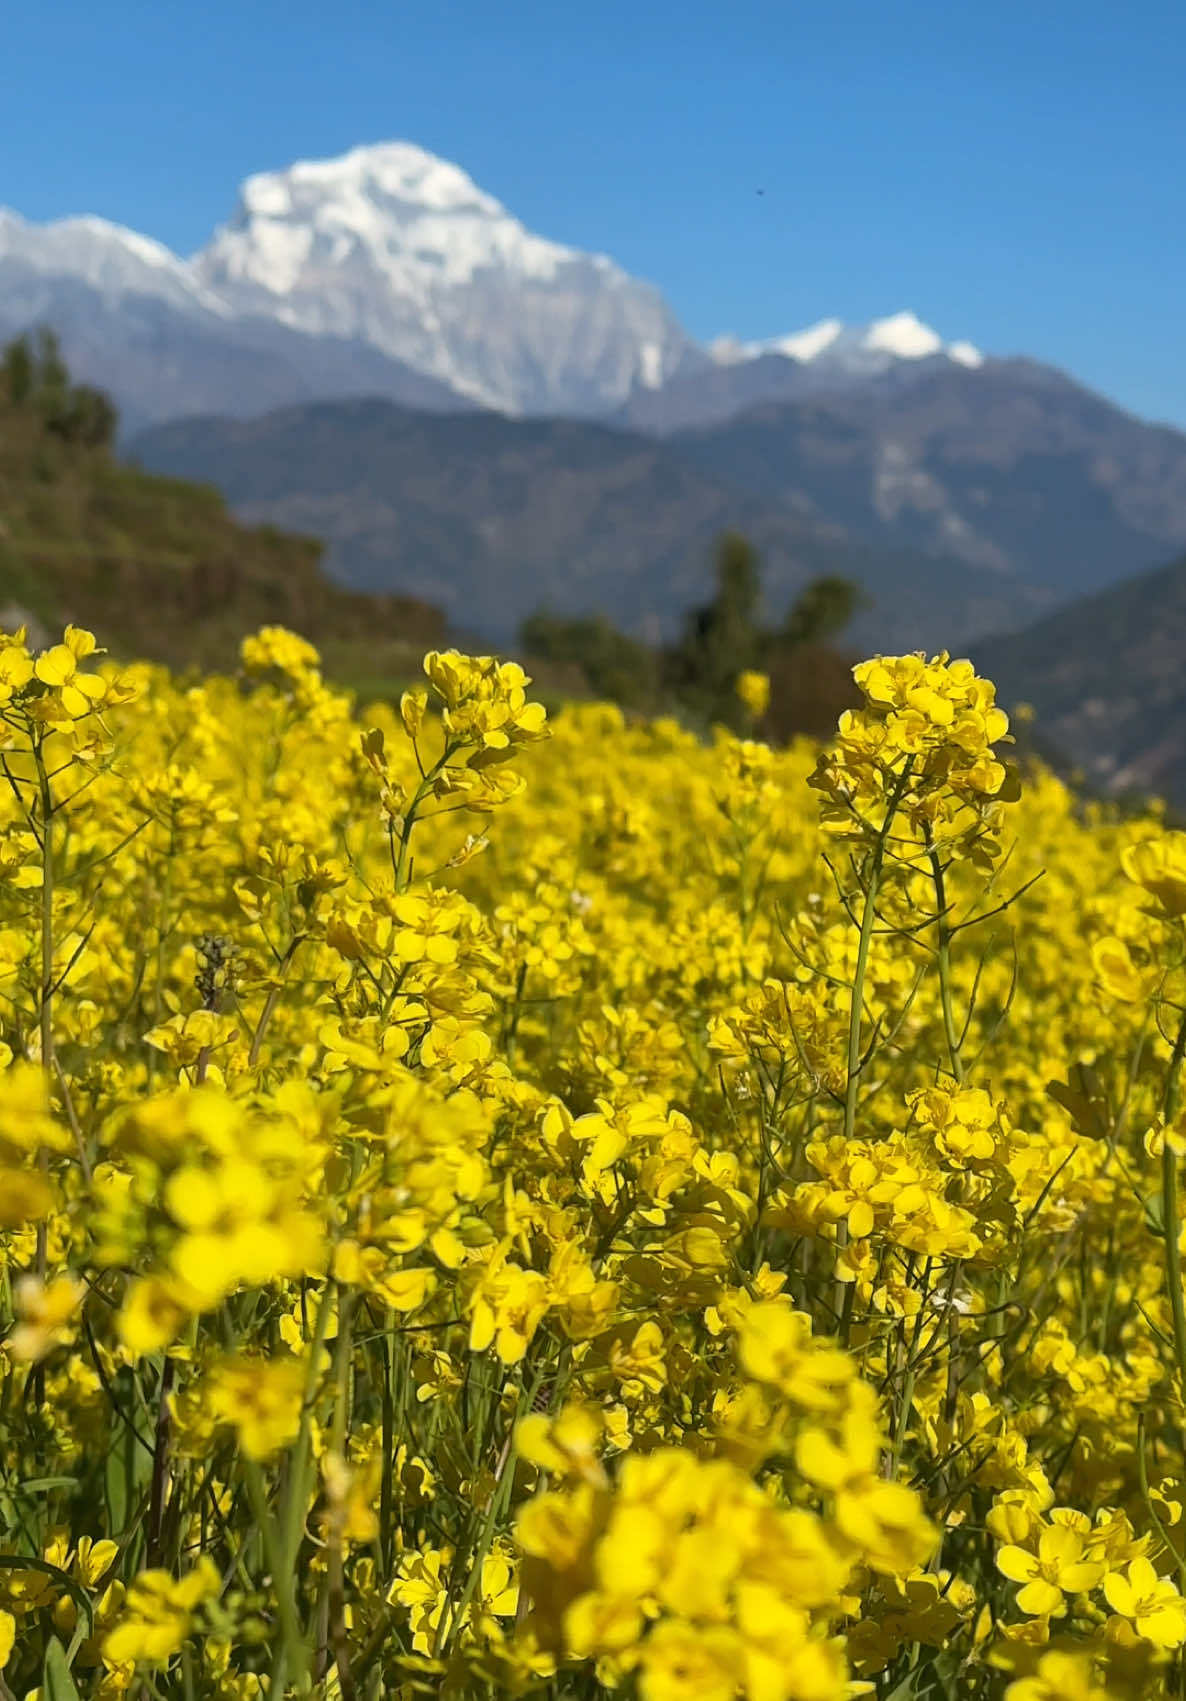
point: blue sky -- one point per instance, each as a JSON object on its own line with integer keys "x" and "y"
{"x": 1011, "y": 170}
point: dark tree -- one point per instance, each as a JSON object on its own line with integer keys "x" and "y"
{"x": 722, "y": 638}
{"x": 52, "y": 377}
{"x": 17, "y": 368}
{"x": 822, "y": 610}
{"x": 84, "y": 416}
{"x": 614, "y": 666}
{"x": 37, "y": 376}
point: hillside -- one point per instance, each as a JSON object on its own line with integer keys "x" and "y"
{"x": 1106, "y": 678}
{"x": 1010, "y": 465}
{"x": 490, "y": 518}
{"x": 162, "y": 570}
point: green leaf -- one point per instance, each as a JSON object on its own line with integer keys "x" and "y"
{"x": 1083, "y": 1097}
{"x": 45, "y": 1485}
{"x": 116, "y": 1475}
{"x": 57, "y": 1684}
{"x": 1154, "y": 1205}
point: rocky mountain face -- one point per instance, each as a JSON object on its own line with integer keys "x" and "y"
{"x": 1010, "y": 467}
{"x": 492, "y": 518}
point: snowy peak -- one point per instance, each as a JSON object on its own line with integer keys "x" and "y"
{"x": 904, "y": 335}
{"x": 414, "y": 218}
{"x": 864, "y": 349}
{"x": 808, "y": 344}
{"x": 392, "y": 247}
{"x": 399, "y": 171}
{"x": 389, "y": 251}
{"x": 108, "y": 257}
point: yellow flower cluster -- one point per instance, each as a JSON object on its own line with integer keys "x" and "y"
{"x": 922, "y": 746}
{"x": 495, "y": 1208}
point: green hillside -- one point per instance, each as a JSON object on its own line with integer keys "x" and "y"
{"x": 156, "y": 565}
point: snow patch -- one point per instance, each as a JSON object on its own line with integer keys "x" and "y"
{"x": 904, "y": 335}
{"x": 650, "y": 359}
{"x": 867, "y": 349}
{"x": 143, "y": 247}
{"x": 965, "y": 354}
{"x": 808, "y": 344}
{"x": 730, "y": 351}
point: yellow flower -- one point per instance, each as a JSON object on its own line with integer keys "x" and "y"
{"x": 260, "y": 1399}
{"x": 1149, "y": 1602}
{"x": 184, "y": 1038}
{"x": 1061, "y": 1676}
{"x": 1057, "y": 1569}
{"x": 277, "y": 647}
{"x": 507, "y": 1305}
{"x": 565, "y": 1444}
{"x": 1118, "y": 974}
{"x": 775, "y": 1346}
{"x": 46, "y": 1313}
{"x": 680, "y": 1660}
{"x": 754, "y": 691}
{"x": 16, "y": 670}
{"x": 153, "y": 1314}
{"x": 74, "y": 693}
{"x": 158, "y": 1613}
{"x": 1159, "y": 865}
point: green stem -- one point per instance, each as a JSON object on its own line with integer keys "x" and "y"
{"x": 160, "y": 1468}
{"x": 272, "y": 1000}
{"x": 45, "y": 1011}
{"x": 1143, "y": 1478}
{"x": 1169, "y": 1214}
{"x": 453, "y": 1621}
{"x": 944, "y": 955}
{"x": 868, "y": 917}
{"x": 292, "y": 1655}
{"x": 334, "y": 1635}
{"x": 512, "y": 1033}
{"x": 47, "y": 912}
{"x": 845, "y": 1291}
{"x": 298, "y": 1498}
{"x": 423, "y": 790}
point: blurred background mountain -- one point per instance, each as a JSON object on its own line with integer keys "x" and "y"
{"x": 379, "y": 409}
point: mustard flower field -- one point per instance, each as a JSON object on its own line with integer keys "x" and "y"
{"x": 493, "y": 1208}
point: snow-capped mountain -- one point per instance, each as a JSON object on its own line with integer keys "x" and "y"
{"x": 138, "y": 322}
{"x": 397, "y": 248}
{"x": 865, "y": 350}
{"x": 826, "y": 359}
{"x": 388, "y": 271}
{"x": 105, "y": 257}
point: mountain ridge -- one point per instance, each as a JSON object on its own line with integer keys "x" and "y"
{"x": 1010, "y": 466}
{"x": 493, "y": 517}
{"x": 390, "y": 249}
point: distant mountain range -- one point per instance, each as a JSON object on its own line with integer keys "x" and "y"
{"x": 1011, "y": 467}
{"x": 389, "y": 272}
{"x": 374, "y": 350}
{"x": 492, "y": 518}
{"x": 385, "y": 272}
